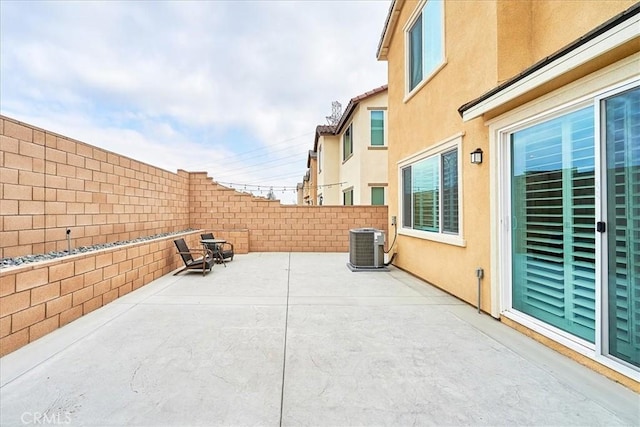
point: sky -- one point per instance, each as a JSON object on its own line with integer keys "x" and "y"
{"x": 233, "y": 88}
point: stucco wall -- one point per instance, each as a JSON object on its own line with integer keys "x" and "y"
{"x": 431, "y": 116}
{"x": 570, "y": 19}
{"x": 329, "y": 174}
{"x": 483, "y": 47}
{"x": 485, "y": 44}
{"x": 368, "y": 164}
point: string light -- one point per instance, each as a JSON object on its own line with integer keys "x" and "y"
{"x": 259, "y": 187}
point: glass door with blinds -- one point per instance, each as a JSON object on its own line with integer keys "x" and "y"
{"x": 587, "y": 288}
{"x": 553, "y": 216}
{"x": 621, "y": 167}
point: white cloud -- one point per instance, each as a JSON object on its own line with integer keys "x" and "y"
{"x": 155, "y": 80}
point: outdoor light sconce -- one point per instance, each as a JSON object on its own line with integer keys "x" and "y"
{"x": 476, "y": 156}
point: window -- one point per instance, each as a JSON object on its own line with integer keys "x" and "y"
{"x": 347, "y": 143}
{"x": 377, "y": 196}
{"x": 377, "y": 127}
{"x": 425, "y": 43}
{"x": 430, "y": 194}
{"x": 347, "y": 197}
{"x": 319, "y": 158}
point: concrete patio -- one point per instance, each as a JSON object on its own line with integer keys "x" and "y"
{"x": 297, "y": 339}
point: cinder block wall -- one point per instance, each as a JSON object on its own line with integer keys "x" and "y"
{"x": 49, "y": 183}
{"x": 38, "y": 298}
{"x": 273, "y": 227}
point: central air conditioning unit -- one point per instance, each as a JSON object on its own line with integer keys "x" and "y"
{"x": 366, "y": 250}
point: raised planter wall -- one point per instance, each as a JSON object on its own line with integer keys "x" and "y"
{"x": 37, "y": 298}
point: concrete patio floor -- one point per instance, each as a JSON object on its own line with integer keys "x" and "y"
{"x": 297, "y": 339}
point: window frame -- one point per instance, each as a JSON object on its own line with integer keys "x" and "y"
{"x": 348, "y": 130}
{"x": 384, "y": 142}
{"x": 436, "y": 150}
{"x": 344, "y": 196}
{"x": 426, "y": 74}
{"x": 384, "y": 201}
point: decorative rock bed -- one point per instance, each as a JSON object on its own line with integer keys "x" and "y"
{"x": 17, "y": 261}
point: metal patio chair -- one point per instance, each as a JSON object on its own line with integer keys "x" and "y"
{"x": 204, "y": 262}
{"x": 221, "y": 251}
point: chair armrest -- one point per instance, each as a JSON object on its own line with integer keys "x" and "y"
{"x": 203, "y": 252}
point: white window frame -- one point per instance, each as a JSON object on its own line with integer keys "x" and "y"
{"x": 584, "y": 92}
{"x": 410, "y": 92}
{"x": 441, "y": 147}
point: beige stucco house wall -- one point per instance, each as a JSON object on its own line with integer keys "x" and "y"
{"x": 327, "y": 146}
{"x": 366, "y": 166}
{"x": 307, "y": 190}
{"x": 503, "y": 64}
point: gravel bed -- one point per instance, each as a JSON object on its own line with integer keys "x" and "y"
{"x": 21, "y": 260}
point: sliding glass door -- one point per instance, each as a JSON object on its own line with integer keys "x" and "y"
{"x": 622, "y": 138}
{"x": 574, "y": 240}
{"x": 553, "y": 215}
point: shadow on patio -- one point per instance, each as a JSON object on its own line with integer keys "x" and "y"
{"x": 298, "y": 339}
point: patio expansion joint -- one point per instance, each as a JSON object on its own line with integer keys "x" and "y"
{"x": 284, "y": 352}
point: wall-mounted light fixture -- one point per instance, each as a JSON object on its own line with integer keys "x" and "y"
{"x": 476, "y": 156}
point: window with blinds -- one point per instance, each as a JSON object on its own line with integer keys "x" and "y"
{"x": 450, "y": 192}
{"x": 622, "y": 122}
{"x": 426, "y": 183}
{"x": 553, "y": 209}
{"x": 430, "y": 194}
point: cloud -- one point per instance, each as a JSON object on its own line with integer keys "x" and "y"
{"x": 157, "y": 80}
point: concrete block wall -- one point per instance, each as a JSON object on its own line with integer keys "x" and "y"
{"x": 38, "y": 298}
{"x": 273, "y": 227}
{"x": 49, "y": 183}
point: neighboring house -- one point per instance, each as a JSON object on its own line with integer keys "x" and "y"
{"x": 547, "y": 93}
{"x": 352, "y": 155}
{"x": 312, "y": 166}
{"x": 305, "y": 189}
{"x": 300, "y": 193}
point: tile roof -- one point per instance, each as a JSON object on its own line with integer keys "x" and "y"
{"x": 353, "y": 102}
